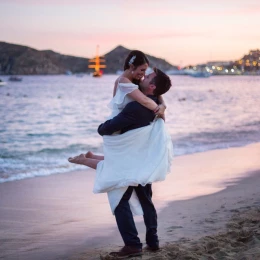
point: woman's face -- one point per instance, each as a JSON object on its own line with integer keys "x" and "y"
{"x": 139, "y": 72}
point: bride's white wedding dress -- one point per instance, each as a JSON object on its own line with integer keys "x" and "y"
{"x": 139, "y": 156}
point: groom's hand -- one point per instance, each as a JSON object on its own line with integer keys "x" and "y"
{"x": 162, "y": 117}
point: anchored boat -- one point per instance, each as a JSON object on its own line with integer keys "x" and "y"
{"x": 97, "y": 64}
{"x": 2, "y": 83}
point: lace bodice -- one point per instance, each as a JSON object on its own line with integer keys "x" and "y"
{"x": 121, "y": 99}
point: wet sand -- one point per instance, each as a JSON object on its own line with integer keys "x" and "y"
{"x": 58, "y": 217}
{"x": 223, "y": 225}
{"x": 241, "y": 241}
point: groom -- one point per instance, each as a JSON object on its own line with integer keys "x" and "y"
{"x": 133, "y": 116}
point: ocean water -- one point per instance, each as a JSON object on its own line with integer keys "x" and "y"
{"x": 46, "y": 119}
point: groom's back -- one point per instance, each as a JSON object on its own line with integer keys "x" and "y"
{"x": 141, "y": 115}
{"x": 133, "y": 116}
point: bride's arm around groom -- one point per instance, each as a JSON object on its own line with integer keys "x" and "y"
{"x": 134, "y": 115}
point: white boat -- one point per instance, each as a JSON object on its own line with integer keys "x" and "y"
{"x": 197, "y": 73}
{"x": 175, "y": 72}
{"x": 68, "y": 73}
{"x": 119, "y": 72}
{"x": 2, "y": 83}
{"x": 201, "y": 74}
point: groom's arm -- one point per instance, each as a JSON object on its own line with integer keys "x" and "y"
{"x": 126, "y": 118}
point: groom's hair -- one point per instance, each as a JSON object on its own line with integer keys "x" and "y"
{"x": 161, "y": 81}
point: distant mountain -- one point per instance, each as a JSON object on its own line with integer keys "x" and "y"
{"x": 115, "y": 60}
{"x": 22, "y": 60}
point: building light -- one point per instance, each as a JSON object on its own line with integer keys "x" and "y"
{"x": 226, "y": 70}
{"x": 232, "y": 70}
{"x": 213, "y": 67}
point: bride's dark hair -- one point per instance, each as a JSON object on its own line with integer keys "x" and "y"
{"x": 137, "y": 58}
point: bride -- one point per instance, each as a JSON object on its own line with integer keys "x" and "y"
{"x": 125, "y": 90}
{"x": 117, "y": 173}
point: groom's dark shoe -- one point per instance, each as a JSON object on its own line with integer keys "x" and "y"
{"x": 127, "y": 251}
{"x": 152, "y": 248}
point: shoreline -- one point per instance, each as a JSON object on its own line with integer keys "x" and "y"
{"x": 114, "y": 74}
{"x": 214, "y": 218}
{"x": 175, "y": 156}
{"x": 56, "y": 217}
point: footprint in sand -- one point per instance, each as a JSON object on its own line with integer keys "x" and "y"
{"x": 170, "y": 229}
{"x": 210, "y": 220}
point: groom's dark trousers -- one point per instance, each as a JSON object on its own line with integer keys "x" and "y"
{"x": 134, "y": 116}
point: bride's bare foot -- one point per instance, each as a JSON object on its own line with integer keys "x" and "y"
{"x": 80, "y": 159}
{"x": 89, "y": 154}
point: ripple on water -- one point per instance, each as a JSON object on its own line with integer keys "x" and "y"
{"x": 43, "y": 129}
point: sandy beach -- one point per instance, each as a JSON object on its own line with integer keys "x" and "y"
{"x": 208, "y": 208}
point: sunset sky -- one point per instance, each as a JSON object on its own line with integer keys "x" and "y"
{"x": 182, "y": 32}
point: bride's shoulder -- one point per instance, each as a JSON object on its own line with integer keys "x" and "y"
{"x": 124, "y": 80}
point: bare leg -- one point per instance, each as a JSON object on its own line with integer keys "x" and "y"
{"x": 81, "y": 159}
{"x": 91, "y": 155}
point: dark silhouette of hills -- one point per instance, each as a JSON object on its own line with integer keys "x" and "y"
{"x": 115, "y": 60}
{"x": 22, "y": 60}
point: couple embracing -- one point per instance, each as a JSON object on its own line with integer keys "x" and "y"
{"x": 137, "y": 151}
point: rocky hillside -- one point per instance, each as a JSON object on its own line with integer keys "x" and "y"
{"x": 115, "y": 60}
{"x": 22, "y": 60}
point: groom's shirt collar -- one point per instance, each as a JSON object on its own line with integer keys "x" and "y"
{"x": 154, "y": 98}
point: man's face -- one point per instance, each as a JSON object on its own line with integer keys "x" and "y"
{"x": 145, "y": 84}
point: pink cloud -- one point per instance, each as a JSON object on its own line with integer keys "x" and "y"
{"x": 119, "y": 36}
{"x": 78, "y": 43}
{"x": 166, "y": 8}
{"x": 251, "y": 9}
{"x": 50, "y": 2}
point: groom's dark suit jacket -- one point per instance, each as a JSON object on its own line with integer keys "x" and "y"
{"x": 133, "y": 116}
